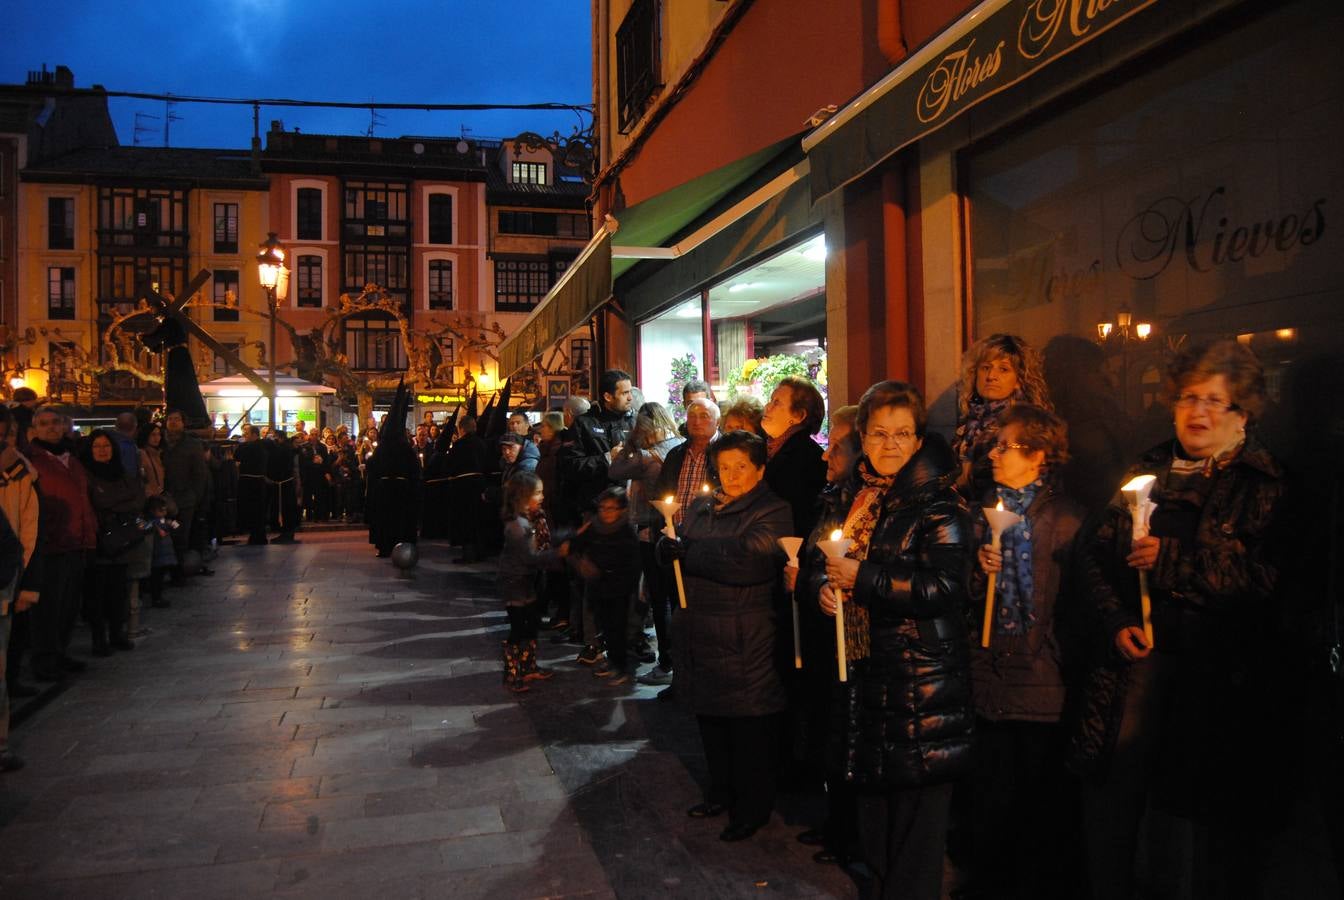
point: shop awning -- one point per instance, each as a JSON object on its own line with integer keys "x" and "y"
{"x": 641, "y": 232}
{"x": 992, "y": 47}
{"x": 286, "y": 385}
{"x": 578, "y": 294}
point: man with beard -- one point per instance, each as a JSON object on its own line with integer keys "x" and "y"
{"x": 282, "y": 480}
{"x": 252, "y": 460}
{"x": 598, "y": 434}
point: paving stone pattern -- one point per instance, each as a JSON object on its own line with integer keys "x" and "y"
{"x": 306, "y": 723}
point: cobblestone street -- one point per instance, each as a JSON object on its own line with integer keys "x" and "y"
{"x": 306, "y": 723}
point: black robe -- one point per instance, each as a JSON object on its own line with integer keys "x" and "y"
{"x": 282, "y": 487}
{"x": 392, "y": 506}
{"x": 252, "y": 458}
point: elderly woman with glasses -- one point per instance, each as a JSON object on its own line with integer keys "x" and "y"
{"x": 904, "y": 719}
{"x": 728, "y": 543}
{"x": 1176, "y": 724}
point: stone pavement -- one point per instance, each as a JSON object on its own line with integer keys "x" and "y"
{"x": 306, "y": 723}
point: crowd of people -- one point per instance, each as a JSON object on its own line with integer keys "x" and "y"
{"x": 1058, "y": 701}
{"x": 93, "y": 525}
{"x": 969, "y": 646}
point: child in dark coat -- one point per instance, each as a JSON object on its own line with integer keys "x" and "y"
{"x": 163, "y": 558}
{"x": 608, "y": 551}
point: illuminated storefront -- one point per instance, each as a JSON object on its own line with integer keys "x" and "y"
{"x": 233, "y": 400}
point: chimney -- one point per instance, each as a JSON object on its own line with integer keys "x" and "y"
{"x": 64, "y": 77}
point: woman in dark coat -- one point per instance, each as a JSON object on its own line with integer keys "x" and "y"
{"x": 1021, "y": 820}
{"x": 1180, "y": 725}
{"x": 725, "y": 642}
{"x": 117, "y": 497}
{"x": 905, "y": 712}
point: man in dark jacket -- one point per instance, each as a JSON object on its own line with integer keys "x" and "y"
{"x": 252, "y": 459}
{"x": 597, "y": 434}
{"x": 185, "y": 478}
{"x": 315, "y": 473}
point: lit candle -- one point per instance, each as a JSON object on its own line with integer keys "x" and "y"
{"x": 1136, "y": 492}
{"x": 999, "y": 519}
{"x": 669, "y": 509}
{"x": 835, "y": 548}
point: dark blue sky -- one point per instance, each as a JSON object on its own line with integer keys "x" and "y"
{"x": 403, "y": 51}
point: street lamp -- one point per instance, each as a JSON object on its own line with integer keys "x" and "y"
{"x": 274, "y": 277}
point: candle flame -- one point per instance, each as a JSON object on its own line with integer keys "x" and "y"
{"x": 704, "y": 488}
{"x": 668, "y": 499}
{"x": 999, "y": 506}
{"x": 837, "y": 534}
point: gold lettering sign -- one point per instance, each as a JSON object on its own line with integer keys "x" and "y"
{"x": 957, "y": 72}
{"x": 1043, "y": 19}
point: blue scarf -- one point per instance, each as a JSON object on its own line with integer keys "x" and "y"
{"x": 1014, "y": 595}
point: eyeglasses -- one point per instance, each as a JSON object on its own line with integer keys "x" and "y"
{"x": 883, "y": 438}
{"x": 1212, "y": 404}
{"x": 1004, "y": 448}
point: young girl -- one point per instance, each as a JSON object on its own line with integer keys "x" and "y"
{"x": 164, "y": 558}
{"x": 527, "y": 551}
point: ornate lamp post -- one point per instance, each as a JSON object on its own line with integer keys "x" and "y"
{"x": 274, "y": 277}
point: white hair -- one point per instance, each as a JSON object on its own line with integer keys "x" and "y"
{"x": 577, "y": 406}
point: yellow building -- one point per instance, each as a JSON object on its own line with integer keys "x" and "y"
{"x": 96, "y": 225}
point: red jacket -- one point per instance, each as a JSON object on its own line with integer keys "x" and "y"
{"x": 67, "y": 523}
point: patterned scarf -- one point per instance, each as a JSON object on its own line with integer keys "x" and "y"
{"x": 978, "y": 430}
{"x": 772, "y": 445}
{"x": 541, "y": 529}
{"x": 1014, "y": 595}
{"x": 859, "y": 525}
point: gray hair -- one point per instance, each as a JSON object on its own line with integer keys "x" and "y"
{"x": 577, "y": 406}
{"x": 707, "y": 404}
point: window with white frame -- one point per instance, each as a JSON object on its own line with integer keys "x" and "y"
{"x": 308, "y": 281}
{"x": 60, "y": 292}
{"x": 308, "y": 214}
{"x": 440, "y": 218}
{"x": 440, "y": 284}
{"x": 528, "y": 172}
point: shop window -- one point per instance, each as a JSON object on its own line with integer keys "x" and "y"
{"x": 1186, "y": 203}
{"x": 308, "y": 213}
{"x": 226, "y": 295}
{"x": 60, "y": 292}
{"x": 637, "y": 63}
{"x": 308, "y": 279}
{"x": 440, "y": 284}
{"x": 440, "y": 218}
{"x": 226, "y": 227}
{"x": 60, "y": 223}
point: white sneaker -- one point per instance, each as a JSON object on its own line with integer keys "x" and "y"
{"x": 656, "y": 675}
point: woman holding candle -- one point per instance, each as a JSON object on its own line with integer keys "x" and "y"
{"x": 729, "y": 548}
{"x": 1018, "y": 808}
{"x": 997, "y": 372}
{"x": 1168, "y": 726}
{"x": 903, "y": 728}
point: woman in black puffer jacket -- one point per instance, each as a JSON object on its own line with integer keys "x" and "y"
{"x": 904, "y": 717}
{"x": 725, "y": 639}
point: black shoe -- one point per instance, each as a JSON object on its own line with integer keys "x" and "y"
{"x": 384, "y": 554}
{"x": 706, "y": 810}
{"x": 738, "y": 832}
{"x": 19, "y": 691}
{"x": 666, "y": 694}
{"x": 70, "y": 664}
{"x": 813, "y": 837}
{"x": 253, "y": 542}
{"x": 285, "y": 539}
{"x": 645, "y": 654}
{"x": 9, "y": 762}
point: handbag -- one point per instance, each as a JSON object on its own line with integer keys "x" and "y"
{"x": 119, "y": 535}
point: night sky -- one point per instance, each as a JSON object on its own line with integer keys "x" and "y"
{"x": 402, "y": 51}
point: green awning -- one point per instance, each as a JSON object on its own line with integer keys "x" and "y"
{"x": 586, "y": 284}
{"x": 656, "y": 220}
{"x": 582, "y": 290}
